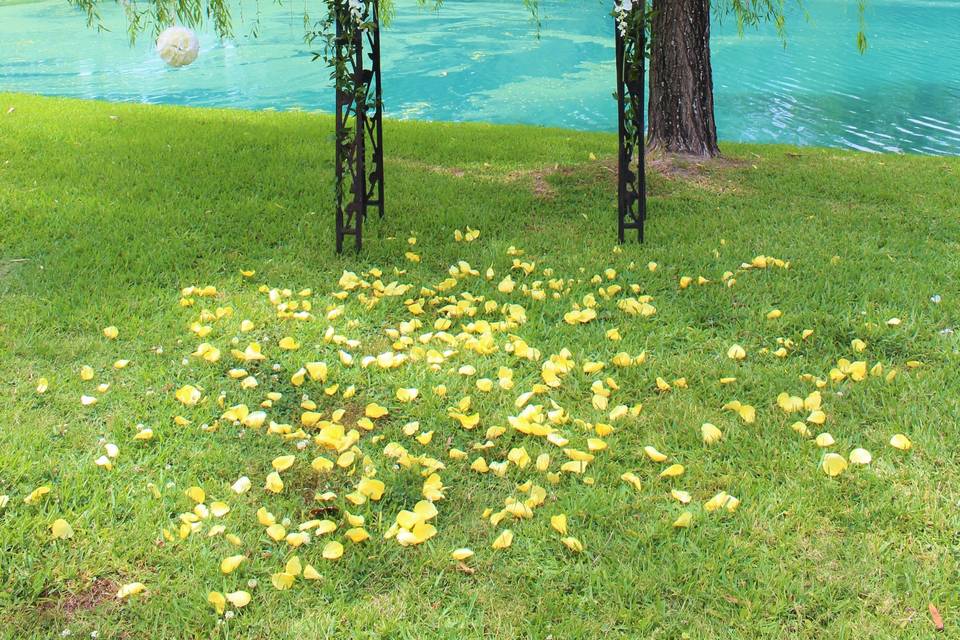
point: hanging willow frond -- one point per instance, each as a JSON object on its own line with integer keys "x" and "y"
{"x": 154, "y": 15}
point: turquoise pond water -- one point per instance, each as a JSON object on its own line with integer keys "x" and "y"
{"x": 480, "y": 60}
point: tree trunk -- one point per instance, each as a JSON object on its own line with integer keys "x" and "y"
{"x": 681, "y": 79}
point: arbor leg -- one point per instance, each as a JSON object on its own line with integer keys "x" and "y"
{"x": 631, "y": 183}
{"x": 359, "y": 124}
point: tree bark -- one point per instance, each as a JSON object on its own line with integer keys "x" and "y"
{"x": 681, "y": 116}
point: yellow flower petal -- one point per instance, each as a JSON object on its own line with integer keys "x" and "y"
{"x": 239, "y": 599}
{"x": 573, "y": 544}
{"x": 61, "y": 529}
{"x": 242, "y": 485}
{"x": 736, "y": 352}
{"x": 188, "y": 395}
{"x": 283, "y": 463}
{"x": 833, "y": 464}
{"x": 559, "y": 523}
{"x": 504, "y": 540}
{"x": 288, "y": 344}
{"x": 219, "y": 603}
{"x": 375, "y": 411}
{"x": 131, "y": 589}
{"x": 461, "y": 554}
{"x": 673, "y": 471}
{"x": 37, "y": 494}
{"x": 710, "y": 433}
{"x": 332, "y": 550}
{"x": 274, "y": 483}
{"x": 654, "y": 455}
{"x": 632, "y": 479}
{"x": 900, "y": 441}
{"x": 407, "y": 395}
{"x": 824, "y": 440}
{"x": 282, "y": 580}
{"x": 230, "y": 563}
{"x": 357, "y": 534}
{"x": 293, "y": 566}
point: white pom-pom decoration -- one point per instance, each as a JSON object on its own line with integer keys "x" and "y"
{"x": 178, "y": 46}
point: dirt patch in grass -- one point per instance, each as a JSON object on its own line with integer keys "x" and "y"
{"x": 539, "y": 184}
{"x": 453, "y": 172}
{"x": 707, "y": 174}
{"x": 537, "y": 178}
{"x": 8, "y": 266}
{"x": 100, "y": 591}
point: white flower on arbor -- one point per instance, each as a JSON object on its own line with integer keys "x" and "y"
{"x": 357, "y": 9}
{"x": 178, "y": 46}
{"x": 622, "y": 8}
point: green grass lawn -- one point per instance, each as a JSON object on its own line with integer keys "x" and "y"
{"x": 108, "y": 211}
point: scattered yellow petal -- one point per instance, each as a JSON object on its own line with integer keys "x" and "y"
{"x": 274, "y": 483}
{"x": 559, "y": 523}
{"x": 736, "y": 352}
{"x": 131, "y": 589}
{"x": 219, "y": 603}
{"x": 573, "y": 544}
{"x": 375, "y": 411}
{"x": 632, "y": 479}
{"x": 900, "y": 441}
{"x": 288, "y": 344}
{"x": 461, "y": 554}
{"x": 282, "y": 580}
{"x": 61, "y": 529}
{"x": 833, "y": 464}
{"x": 37, "y": 494}
{"x": 673, "y": 471}
{"x": 504, "y": 540}
{"x": 824, "y": 440}
{"x": 654, "y": 455}
{"x": 283, "y": 463}
{"x": 230, "y": 563}
{"x": 710, "y": 433}
{"x": 332, "y": 550}
{"x": 188, "y": 395}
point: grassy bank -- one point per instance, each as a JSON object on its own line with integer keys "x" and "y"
{"x": 108, "y": 211}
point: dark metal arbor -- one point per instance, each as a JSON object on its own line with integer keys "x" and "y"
{"x": 631, "y": 83}
{"x": 359, "y": 119}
